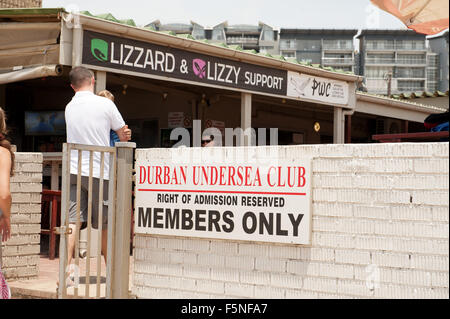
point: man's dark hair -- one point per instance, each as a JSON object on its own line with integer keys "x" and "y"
{"x": 80, "y": 76}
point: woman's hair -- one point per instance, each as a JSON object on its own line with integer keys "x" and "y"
{"x": 107, "y": 94}
{"x": 3, "y": 141}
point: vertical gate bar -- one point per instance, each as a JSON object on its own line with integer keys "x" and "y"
{"x": 65, "y": 196}
{"x": 89, "y": 227}
{"x": 121, "y": 267}
{"x": 111, "y": 221}
{"x": 51, "y": 236}
{"x": 53, "y": 215}
{"x": 100, "y": 223}
{"x": 78, "y": 225}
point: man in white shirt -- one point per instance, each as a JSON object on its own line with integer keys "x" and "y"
{"x": 89, "y": 120}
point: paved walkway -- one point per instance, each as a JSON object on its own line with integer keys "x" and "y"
{"x": 44, "y": 287}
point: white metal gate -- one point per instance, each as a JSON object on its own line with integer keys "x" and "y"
{"x": 113, "y": 282}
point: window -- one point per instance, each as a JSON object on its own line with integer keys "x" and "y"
{"x": 410, "y": 44}
{"x": 287, "y": 44}
{"x": 267, "y": 33}
{"x": 410, "y": 73}
{"x": 380, "y": 58}
{"x": 433, "y": 60}
{"x": 218, "y": 33}
{"x": 309, "y": 45}
{"x": 377, "y": 72}
{"x": 337, "y": 58}
{"x": 338, "y": 44}
{"x": 306, "y": 60}
{"x": 198, "y": 32}
{"x": 410, "y": 86}
{"x": 380, "y": 44}
{"x": 411, "y": 59}
{"x": 288, "y": 54}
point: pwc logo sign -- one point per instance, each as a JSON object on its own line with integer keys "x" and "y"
{"x": 100, "y": 49}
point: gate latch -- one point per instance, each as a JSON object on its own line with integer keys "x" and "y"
{"x": 63, "y": 230}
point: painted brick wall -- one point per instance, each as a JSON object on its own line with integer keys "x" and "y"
{"x": 380, "y": 230}
{"x": 20, "y": 255}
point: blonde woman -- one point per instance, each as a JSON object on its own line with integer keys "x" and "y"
{"x": 6, "y": 171}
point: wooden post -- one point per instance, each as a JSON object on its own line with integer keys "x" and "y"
{"x": 246, "y": 117}
{"x": 100, "y": 81}
{"x": 405, "y": 127}
{"x": 348, "y": 129}
{"x": 55, "y": 176}
{"x": 77, "y": 46}
{"x": 65, "y": 197}
{"x": 338, "y": 126}
{"x": 121, "y": 260}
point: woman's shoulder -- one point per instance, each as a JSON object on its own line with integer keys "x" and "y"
{"x": 5, "y": 155}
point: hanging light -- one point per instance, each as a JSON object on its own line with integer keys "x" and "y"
{"x": 317, "y": 127}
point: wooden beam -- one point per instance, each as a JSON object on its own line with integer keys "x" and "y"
{"x": 348, "y": 129}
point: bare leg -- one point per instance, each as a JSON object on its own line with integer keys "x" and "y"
{"x": 71, "y": 243}
{"x": 105, "y": 243}
{"x": 70, "y": 248}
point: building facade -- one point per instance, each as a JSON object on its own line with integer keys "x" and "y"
{"x": 439, "y": 46}
{"x": 330, "y": 48}
{"x": 20, "y": 3}
{"x": 398, "y": 55}
{"x": 261, "y": 38}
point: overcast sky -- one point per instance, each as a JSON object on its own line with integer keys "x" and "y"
{"x": 345, "y": 14}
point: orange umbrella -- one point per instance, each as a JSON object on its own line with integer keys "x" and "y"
{"x": 423, "y": 16}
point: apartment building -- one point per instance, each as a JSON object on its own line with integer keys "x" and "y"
{"x": 400, "y": 55}
{"x": 20, "y": 3}
{"x": 261, "y": 38}
{"x": 439, "y": 46}
{"x": 328, "y": 47}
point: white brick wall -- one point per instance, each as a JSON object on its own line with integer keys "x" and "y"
{"x": 20, "y": 255}
{"x": 383, "y": 205}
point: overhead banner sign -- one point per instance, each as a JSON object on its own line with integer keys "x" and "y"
{"x": 230, "y": 201}
{"x": 121, "y": 54}
{"x": 317, "y": 88}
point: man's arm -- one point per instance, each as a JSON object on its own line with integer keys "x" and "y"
{"x": 124, "y": 134}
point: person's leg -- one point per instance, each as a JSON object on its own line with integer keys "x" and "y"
{"x": 105, "y": 244}
{"x": 96, "y": 214}
{"x": 73, "y": 218}
{"x": 71, "y": 243}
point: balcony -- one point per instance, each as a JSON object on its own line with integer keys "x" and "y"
{"x": 339, "y": 46}
{"x": 412, "y": 61}
{"x": 242, "y": 40}
{"x": 410, "y": 89}
{"x": 381, "y": 61}
{"x": 288, "y": 46}
{"x": 337, "y": 61}
{"x": 410, "y": 76}
{"x": 409, "y": 47}
{"x": 377, "y": 90}
{"x": 386, "y": 47}
{"x": 392, "y": 47}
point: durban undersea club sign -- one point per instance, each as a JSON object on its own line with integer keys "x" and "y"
{"x": 121, "y": 54}
{"x": 248, "y": 202}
